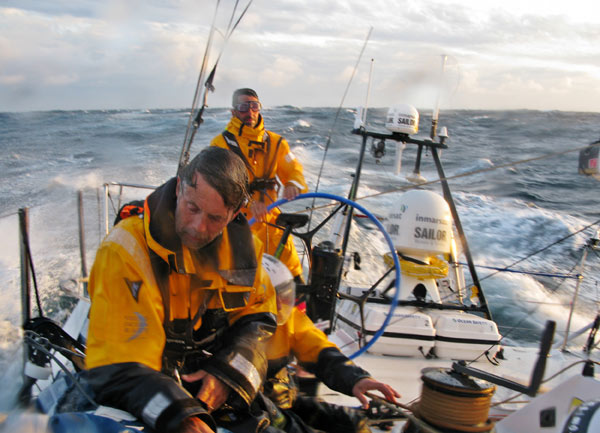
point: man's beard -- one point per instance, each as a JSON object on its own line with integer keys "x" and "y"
{"x": 190, "y": 238}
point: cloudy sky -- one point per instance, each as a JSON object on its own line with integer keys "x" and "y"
{"x": 99, "y": 54}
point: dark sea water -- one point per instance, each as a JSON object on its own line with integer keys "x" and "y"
{"x": 507, "y": 213}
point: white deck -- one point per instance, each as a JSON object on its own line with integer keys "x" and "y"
{"x": 404, "y": 375}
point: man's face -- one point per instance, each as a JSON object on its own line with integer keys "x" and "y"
{"x": 201, "y": 214}
{"x": 250, "y": 116}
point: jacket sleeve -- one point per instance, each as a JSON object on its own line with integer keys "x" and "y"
{"x": 322, "y": 357}
{"x": 337, "y": 371}
{"x": 126, "y": 311}
{"x": 242, "y": 362}
{"x": 151, "y": 396}
{"x": 289, "y": 169}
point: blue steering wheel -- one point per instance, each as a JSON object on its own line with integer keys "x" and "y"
{"x": 388, "y": 239}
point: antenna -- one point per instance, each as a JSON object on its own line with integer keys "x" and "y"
{"x": 360, "y": 118}
{"x": 436, "y": 111}
{"x": 364, "y": 113}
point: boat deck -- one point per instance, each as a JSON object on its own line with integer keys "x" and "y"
{"x": 404, "y": 375}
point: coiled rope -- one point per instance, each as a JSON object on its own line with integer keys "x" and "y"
{"x": 464, "y": 401}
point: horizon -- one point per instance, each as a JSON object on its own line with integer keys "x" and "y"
{"x": 421, "y": 111}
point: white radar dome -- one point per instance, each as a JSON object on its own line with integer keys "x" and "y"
{"x": 402, "y": 118}
{"x": 420, "y": 224}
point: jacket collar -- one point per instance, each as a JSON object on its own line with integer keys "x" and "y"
{"x": 232, "y": 253}
{"x": 239, "y": 129}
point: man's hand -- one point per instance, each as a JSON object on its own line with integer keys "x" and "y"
{"x": 290, "y": 191}
{"x": 194, "y": 425}
{"x": 368, "y": 384}
{"x": 213, "y": 392}
{"x": 259, "y": 210}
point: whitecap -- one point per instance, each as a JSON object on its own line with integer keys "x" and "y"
{"x": 302, "y": 123}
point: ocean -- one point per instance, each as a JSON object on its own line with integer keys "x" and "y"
{"x": 508, "y": 212}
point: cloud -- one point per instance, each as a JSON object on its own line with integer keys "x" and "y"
{"x": 149, "y": 52}
{"x": 11, "y": 79}
{"x": 283, "y": 71}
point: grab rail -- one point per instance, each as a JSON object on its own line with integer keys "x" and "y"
{"x": 121, "y": 185}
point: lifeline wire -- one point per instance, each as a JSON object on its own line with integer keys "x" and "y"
{"x": 9, "y": 214}
{"x": 482, "y": 170}
{"x": 539, "y": 274}
{"x": 461, "y": 175}
{"x": 535, "y": 308}
{"x": 75, "y": 381}
{"x": 542, "y": 249}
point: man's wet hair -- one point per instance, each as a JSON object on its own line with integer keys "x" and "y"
{"x": 223, "y": 170}
{"x": 239, "y": 92}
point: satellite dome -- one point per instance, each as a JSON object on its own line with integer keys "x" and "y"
{"x": 402, "y": 118}
{"x": 420, "y": 224}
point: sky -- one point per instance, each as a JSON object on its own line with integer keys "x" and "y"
{"x": 147, "y": 54}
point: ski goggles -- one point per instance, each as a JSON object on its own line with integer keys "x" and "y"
{"x": 248, "y": 105}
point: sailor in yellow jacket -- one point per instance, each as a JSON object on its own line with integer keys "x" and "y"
{"x": 297, "y": 339}
{"x": 270, "y": 164}
{"x": 180, "y": 289}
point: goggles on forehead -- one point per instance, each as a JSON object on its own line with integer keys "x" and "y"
{"x": 248, "y": 105}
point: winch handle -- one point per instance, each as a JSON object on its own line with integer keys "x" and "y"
{"x": 536, "y": 376}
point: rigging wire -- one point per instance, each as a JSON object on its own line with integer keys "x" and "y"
{"x": 568, "y": 273}
{"x": 536, "y": 307}
{"x": 339, "y": 109}
{"x": 335, "y": 120}
{"x": 194, "y": 124}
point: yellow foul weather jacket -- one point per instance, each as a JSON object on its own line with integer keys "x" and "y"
{"x": 300, "y": 339}
{"x": 157, "y": 306}
{"x": 270, "y": 163}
